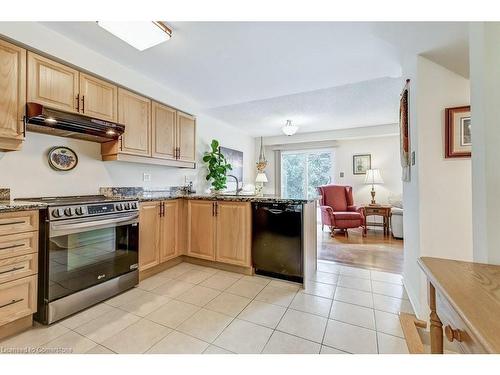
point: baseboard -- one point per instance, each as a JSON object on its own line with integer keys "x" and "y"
{"x": 220, "y": 266}
{"x": 159, "y": 268}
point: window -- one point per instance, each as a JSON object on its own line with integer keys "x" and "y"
{"x": 303, "y": 171}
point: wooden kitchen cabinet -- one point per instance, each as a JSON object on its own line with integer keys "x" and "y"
{"x": 52, "y": 84}
{"x": 18, "y": 270}
{"x": 13, "y": 95}
{"x": 220, "y": 231}
{"x": 164, "y": 131}
{"x": 201, "y": 229}
{"x": 169, "y": 230}
{"x": 149, "y": 235}
{"x": 134, "y": 111}
{"x": 186, "y": 137}
{"x": 234, "y": 233}
{"x": 98, "y": 98}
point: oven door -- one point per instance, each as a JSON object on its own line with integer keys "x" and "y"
{"x": 88, "y": 251}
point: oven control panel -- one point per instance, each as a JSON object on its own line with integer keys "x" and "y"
{"x": 92, "y": 209}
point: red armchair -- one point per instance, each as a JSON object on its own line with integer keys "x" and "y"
{"x": 338, "y": 210}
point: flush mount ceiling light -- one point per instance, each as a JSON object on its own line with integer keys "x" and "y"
{"x": 139, "y": 34}
{"x": 289, "y": 129}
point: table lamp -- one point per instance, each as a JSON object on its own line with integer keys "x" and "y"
{"x": 373, "y": 177}
{"x": 260, "y": 179}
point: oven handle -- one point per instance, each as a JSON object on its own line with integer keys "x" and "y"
{"x": 60, "y": 229}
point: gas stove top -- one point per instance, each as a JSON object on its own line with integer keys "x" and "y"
{"x": 70, "y": 207}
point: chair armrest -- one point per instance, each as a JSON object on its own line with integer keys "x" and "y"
{"x": 327, "y": 210}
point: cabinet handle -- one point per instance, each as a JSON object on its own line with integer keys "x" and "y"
{"x": 216, "y": 209}
{"x": 83, "y": 103}
{"x": 11, "y": 246}
{"x": 213, "y": 208}
{"x": 24, "y": 126}
{"x": 121, "y": 143}
{"x": 12, "y": 302}
{"x": 78, "y": 102}
{"x": 453, "y": 334}
{"x": 12, "y": 270}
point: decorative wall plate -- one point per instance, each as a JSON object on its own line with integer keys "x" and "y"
{"x": 62, "y": 158}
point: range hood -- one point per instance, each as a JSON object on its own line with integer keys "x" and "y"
{"x": 41, "y": 119}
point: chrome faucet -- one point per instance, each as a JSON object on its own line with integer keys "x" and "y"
{"x": 238, "y": 189}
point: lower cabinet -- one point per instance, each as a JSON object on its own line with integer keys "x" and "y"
{"x": 169, "y": 229}
{"x": 158, "y": 233}
{"x": 220, "y": 231}
{"x": 211, "y": 230}
{"x": 18, "y": 269}
{"x": 149, "y": 235}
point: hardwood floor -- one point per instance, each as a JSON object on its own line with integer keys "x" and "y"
{"x": 374, "y": 251}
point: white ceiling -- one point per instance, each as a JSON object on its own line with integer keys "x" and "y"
{"x": 256, "y": 75}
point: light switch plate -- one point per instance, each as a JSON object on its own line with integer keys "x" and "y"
{"x": 341, "y": 174}
{"x": 146, "y": 177}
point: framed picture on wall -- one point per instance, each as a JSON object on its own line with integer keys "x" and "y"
{"x": 458, "y": 140}
{"x": 361, "y": 163}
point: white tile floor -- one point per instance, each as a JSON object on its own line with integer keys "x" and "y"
{"x": 194, "y": 309}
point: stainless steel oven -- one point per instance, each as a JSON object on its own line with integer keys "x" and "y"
{"x": 89, "y": 252}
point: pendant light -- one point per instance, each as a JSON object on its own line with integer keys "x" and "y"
{"x": 289, "y": 129}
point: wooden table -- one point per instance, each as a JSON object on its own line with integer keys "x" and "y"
{"x": 465, "y": 298}
{"x": 379, "y": 210}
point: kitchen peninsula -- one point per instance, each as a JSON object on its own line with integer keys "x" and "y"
{"x": 214, "y": 230}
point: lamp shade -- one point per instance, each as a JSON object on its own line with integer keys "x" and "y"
{"x": 373, "y": 176}
{"x": 261, "y": 177}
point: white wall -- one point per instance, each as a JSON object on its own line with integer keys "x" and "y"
{"x": 485, "y": 80}
{"x": 27, "y": 172}
{"x": 440, "y": 189}
{"x": 384, "y": 155}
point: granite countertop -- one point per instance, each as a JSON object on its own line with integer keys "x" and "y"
{"x": 222, "y": 197}
{"x": 160, "y": 195}
{"x": 10, "y": 206}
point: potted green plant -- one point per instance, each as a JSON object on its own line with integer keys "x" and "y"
{"x": 217, "y": 167}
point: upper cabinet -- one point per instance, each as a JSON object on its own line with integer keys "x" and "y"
{"x": 186, "y": 137}
{"x": 61, "y": 87}
{"x": 13, "y": 95}
{"x": 98, "y": 98}
{"x": 134, "y": 111}
{"x": 52, "y": 84}
{"x": 164, "y": 131}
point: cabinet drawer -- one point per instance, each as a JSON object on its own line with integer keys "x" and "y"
{"x": 451, "y": 320}
{"x": 13, "y": 245}
{"x": 18, "y": 267}
{"x": 18, "y": 222}
{"x": 17, "y": 299}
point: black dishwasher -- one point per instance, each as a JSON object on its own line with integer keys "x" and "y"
{"x": 277, "y": 240}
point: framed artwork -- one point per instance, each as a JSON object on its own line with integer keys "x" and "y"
{"x": 361, "y": 163}
{"x": 235, "y": 158}
{"x": 404, "y": 132}
{"x": 458, "y": 139}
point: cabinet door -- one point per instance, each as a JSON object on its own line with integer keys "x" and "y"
{"x": 134, "y": 111}
{"x": 163, "y": 131}
{"x": 233, "y": 236}
{"x": 149, "y": 235}
{"x": 13, "y": 92}
{"x": 186, "y": 137}
{"x": 201, "y": 229}
{"x": 98, "y": 98}
{"x": 52, "y": 84}
{"x": 168, "y": 230}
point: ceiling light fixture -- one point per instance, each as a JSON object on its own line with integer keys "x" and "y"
{"x": 139, "y": 34}
{"x": 289, "y": 129}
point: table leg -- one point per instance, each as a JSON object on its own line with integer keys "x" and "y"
{"x": 436, "y": 328}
